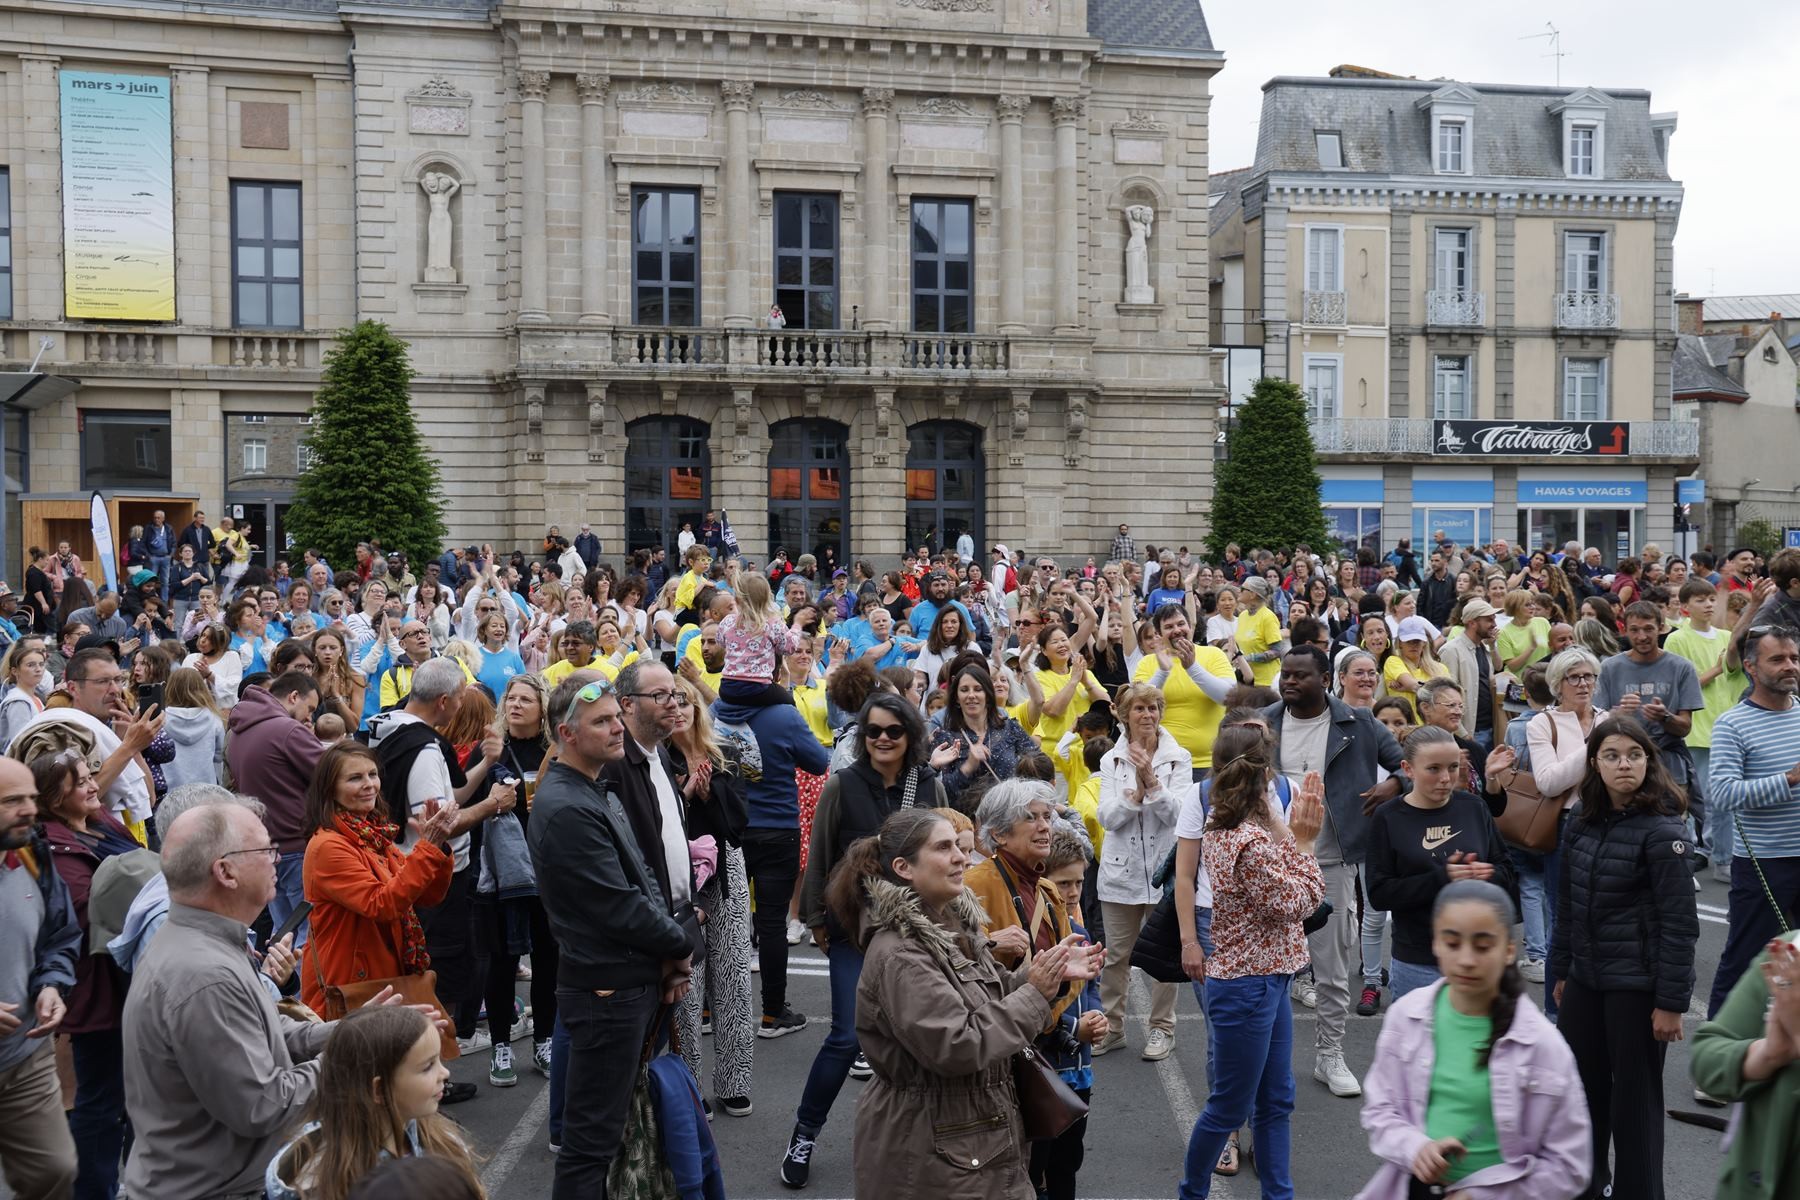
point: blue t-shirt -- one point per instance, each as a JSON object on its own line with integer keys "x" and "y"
{"x": 497, "y": 667}
{"x": 1162, "y": 596}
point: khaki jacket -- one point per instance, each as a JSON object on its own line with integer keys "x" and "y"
{"x": 940, "y": 1021}
{"x": 1459, "y": 654}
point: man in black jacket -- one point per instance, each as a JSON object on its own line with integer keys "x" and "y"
{"x": 623, "y": 954}
{"x": 1315, "y": 731}
{"x": 1437, "y": 595}
{"x": 644, "y": 781}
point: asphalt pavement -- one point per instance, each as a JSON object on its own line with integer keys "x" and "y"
{"x": 1138, "y": 1127}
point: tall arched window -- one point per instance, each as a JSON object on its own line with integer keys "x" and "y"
{"x": 945, "y": 495}
{"x": 667, "y": 480}
{"x": 809, "y": 490}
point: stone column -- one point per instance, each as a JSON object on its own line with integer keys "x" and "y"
{"x": 740, "y": 238}
{"x": 534, "y": 252}
{"x": 1012, "y": 212}
{"x": 37, "y": 201}
{"x": 1068, "y": 112}
{"x": 193, "y": 196}
{"x": 878, "y": 288}
{"x": 593, "y": 89}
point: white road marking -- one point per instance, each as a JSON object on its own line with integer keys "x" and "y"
{"x": 523, "y": 1134}
{"x": 1182, "y": 1105}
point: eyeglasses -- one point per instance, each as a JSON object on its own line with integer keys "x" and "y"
{"x": 114, "y": 680}
{"x": 1582, "y": 680}
{"x": 660, "y": 696}
{"x": 273, "y": 852}
{"x": 1631, "y": 758}
{"x": 884, "y": 733}
{"x": 587, "y": 695}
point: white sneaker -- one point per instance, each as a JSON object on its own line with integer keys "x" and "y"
{"x": 1112, "y": 1041}
{"x": 796, "y": 932}
{"x": 1329, "y": 1069}
{"x": 1305, "y": 991}
{"x": 475, "y": 1045}
{"x": 1158, "y": 1045}
{"x": 1532, "y": 969}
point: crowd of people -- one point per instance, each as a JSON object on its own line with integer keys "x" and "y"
{"x": 280, "y": 843}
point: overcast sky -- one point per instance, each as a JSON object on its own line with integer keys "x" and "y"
{"x": 1727, "y": 69}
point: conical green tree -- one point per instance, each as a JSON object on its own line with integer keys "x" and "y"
{"x": 1266, "y": 491}
{"x": 370, "y": 475}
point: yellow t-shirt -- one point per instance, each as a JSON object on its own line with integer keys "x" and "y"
{"x": 684, "y": 591}
{"x": 556, "y": 672}
{"x": 1050, "y": 729}
{"x": 1189, "y": 714}
{"x": 1397, "y": 666}
{"x": 1512, "y": 641}
{"x": 713, "y": 678}
{"x": 1017, "y": 711}
{"x": 1085, "y": 799}
{"x": 1256, "y": 632}
{"x": 811, "y": 703}
{"x": 1071, "y": 764}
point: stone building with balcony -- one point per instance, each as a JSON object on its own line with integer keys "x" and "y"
{"x": 982, "y": 224}
{"x": 1472, "y": 283}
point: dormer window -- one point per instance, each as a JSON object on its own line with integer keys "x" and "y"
{"x": 1331, "y": 149}
{"x": 1581, "y": 150}
{"x": 1583, "y": 114}
{"x": 1451, "y": 111}
{"x": 1452, "y": 138}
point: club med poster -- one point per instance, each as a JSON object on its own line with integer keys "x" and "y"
{"x": 118, "y": 198}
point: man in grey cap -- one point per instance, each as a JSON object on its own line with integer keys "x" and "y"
{"x": 1470, "y": 657}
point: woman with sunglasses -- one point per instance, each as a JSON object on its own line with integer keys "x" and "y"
{"x": 888, "y": 774}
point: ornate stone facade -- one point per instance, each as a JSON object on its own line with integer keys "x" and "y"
{"x": 556, "y": 384}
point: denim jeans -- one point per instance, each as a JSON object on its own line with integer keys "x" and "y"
{"x": 1374, "y": 924}
{"x": 606, "y": 1041}
{"x": 1751, "y": 922}
{"x": 160, "y": 563}
{"x": 772, "y": 861}
{"x": 1251, "y": 1031}
{"x": 1552, "y": 877}
{"x": 289, "y": 892}
{"x": 1530, "y": 869}
{"x": 1406, "y": 977}
{"x": 1203, "y": 935}
{"x": 98, "y": 1122}
{"x": 831, "y": 1065}
{"x": 1484, "y": 738}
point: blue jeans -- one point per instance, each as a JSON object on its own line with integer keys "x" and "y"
{"x": 98, "y": 1122}
{"x": 1530, "y": 869}
{"x": 1203, "y": 935}
{"x": 160, "y": 563}
{"x": 1484, "y": 738}
{"x": 1254, "y": 1080}
{"x": 1552, "y": 879}
{"x": 289, "y": 892}
{"x": 1404, "y": 977}
{"x": 1374, "y": 924}
{"x": 831, "y": 1065}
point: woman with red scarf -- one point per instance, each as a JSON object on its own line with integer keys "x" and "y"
{"x": 362, "y": 886}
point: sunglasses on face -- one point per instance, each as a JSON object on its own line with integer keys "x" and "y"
{"x": 889, "y": 733}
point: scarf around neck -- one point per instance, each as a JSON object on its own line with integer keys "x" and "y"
{"x": 379, "y": 838}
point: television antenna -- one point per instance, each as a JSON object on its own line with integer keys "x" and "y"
{"x": 1554, "y": 37}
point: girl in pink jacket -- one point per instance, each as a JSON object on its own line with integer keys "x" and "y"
{"x": 1473, "y": 1093}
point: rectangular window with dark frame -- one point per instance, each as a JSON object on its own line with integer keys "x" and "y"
{"x": 265, "y": 265}
{"x": 6, "y": 280}
{"x": 806, "y": 259}
{"x": 124, "y": 450}
{"x": 665, "y": 256}
{"x": 943, "y": 260}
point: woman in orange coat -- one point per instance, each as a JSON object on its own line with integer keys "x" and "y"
{"x": 363, "y": 888}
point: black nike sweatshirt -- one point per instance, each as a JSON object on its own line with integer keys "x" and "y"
{"x": 1408, "y": 850}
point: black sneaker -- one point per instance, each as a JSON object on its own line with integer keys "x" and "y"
{"x": 788, "y": 1021}
{"x": 860, "y": 1069}
{"x": 736, "y": 1106}
{"x": 456, "y": 1093}
{"x": 796, "y": 1164}
{"x": 1370, "y": 1004}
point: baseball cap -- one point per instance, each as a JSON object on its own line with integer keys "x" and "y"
{"x": 1475, "y": 608}
{"x": 95, "y": 641}
{"x": 1414, "y": 629}
{"x": 1000, "y": 548}
{"x": 840, "y": 573}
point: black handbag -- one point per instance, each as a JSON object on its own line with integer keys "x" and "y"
{"x": 1158, "y": 950}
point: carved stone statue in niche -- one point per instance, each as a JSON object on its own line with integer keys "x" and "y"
{"x": 439, "y": 187}
{"x": 1139, "y": 217}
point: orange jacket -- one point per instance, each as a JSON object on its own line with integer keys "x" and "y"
{"x": 358, "y": 898}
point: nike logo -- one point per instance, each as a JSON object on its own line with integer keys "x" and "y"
{"x": 1436, "y": 836}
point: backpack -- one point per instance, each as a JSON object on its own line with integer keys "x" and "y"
{"x": 1012, "y": 579}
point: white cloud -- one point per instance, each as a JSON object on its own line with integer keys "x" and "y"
{"x": 1726, "y": 69}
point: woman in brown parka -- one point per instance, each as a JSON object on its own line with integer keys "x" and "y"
{"x": 939, "y": 1019}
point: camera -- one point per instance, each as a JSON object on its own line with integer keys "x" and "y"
{"x": 1060, "y": 1042}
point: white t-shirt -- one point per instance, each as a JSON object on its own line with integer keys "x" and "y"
{"x": 1192, "y": 823}
{"x": 429, "y": 779}
{"x": 1219, "y": 628}
{"x": 674, "y": 839}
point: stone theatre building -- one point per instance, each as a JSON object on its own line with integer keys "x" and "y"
{"x": 861, "y": 273}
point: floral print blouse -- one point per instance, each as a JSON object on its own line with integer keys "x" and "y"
{"x": 1262, "y": 891}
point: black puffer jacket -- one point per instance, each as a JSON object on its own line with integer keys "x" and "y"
{"x": 1625, "y": 917}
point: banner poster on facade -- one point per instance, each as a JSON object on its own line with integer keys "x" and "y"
{"x": 1548, "y": 439}
{"x": 118, "y": 189}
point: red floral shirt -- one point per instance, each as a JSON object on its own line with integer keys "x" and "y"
{"x": 1262, "y": 891}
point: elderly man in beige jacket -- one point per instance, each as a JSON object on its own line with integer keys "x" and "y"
{"x": 1469, "y": 655}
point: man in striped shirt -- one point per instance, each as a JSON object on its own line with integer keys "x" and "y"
{"x": 1755, "y": 780}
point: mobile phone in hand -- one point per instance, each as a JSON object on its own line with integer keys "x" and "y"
{"x": 300, "y": 913}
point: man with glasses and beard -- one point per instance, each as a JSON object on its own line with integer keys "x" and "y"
{"x": 96, "y": 682}
{"x": 623, "y": 953}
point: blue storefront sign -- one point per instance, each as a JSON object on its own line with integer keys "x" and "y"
{"x": 1581, "y": 493}
{"x": 1690, "y": 491}
{"x": 1792, "y": 539}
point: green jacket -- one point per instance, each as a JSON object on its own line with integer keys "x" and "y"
{"x": 1762, "y": 1161}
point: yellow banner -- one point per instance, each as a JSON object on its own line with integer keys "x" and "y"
{"x": 118, "y": 188}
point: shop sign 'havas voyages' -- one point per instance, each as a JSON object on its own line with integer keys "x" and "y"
{"x": 1475, "y": 439}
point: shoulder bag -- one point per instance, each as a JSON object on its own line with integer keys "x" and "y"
{"x": 1529, "y": 819}
{"x": 1047, "y": 1105}
{"x": 415, "y": 990}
